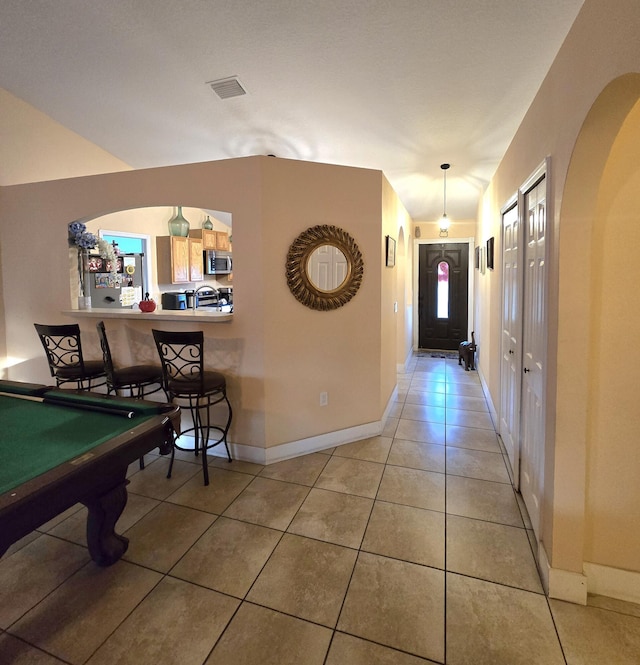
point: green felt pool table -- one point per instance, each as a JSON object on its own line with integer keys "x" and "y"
{"x": 62, "y": 447}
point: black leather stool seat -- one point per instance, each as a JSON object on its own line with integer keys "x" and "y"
{"x": 123, "y": 377}
{"x": 211, "y": 382}
{"x": 92, "y": 369}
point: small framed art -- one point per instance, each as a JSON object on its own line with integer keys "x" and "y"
{"x": 391, "y": 252}
{"x": 490, "y": 253}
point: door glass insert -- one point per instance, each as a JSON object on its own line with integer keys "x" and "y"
{"x": 443, "y": 290}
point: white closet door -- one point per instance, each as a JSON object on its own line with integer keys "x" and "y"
{"x": 534, "y": 351}
{"x": 510, "y": 369}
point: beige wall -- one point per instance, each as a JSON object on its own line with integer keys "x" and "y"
{"x": 283, "y": 354}
{"x": 395, "y": 294}
{"x": 34, "y": 147}
{"x": 306, "y": 351}
{"x": 575, "y": 123}
{"x": 36, "y": 278}
{"x": 460, "y": 228}
{"x": 612, "y": 531}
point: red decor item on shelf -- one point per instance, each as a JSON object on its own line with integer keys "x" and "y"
{"x": 148, "y": 304}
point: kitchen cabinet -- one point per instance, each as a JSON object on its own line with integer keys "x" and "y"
{"x": 208, "y": 237}
{"x": 179, "y": 260}
{"x": 212, "y": 239}
{"x": 196, "y": 264}
{"x": 222, "y": 241}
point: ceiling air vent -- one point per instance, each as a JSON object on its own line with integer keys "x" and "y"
{"x": 226, "y": 88}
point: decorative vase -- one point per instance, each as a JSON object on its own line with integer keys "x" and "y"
{"x": 207, "y": 224}
{"x": 179, "y": 226}
{"x": 84, "y": 299}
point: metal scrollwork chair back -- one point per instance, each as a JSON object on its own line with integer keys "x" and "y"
{"x": 63, "y": 348}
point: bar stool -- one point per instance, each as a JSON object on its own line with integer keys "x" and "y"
{"x": 184, "y": 378}
{"x": 63, "y": 348}
{"x": 135, "y": 379}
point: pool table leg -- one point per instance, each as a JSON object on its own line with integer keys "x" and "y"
{"x": 105, "y": 545}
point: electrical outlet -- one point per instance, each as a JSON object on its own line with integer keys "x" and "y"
{"x": 324, "y": 399}
{"x": 395, "y": 307}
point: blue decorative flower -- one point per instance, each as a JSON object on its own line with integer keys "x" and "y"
{"x": 79, "y": 236}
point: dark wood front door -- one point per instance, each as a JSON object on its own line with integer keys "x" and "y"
{"x": 443, "y": 289}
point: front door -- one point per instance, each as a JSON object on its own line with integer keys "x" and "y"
{"x": 443, "y": 289}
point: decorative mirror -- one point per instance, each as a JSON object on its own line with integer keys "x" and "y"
{"x": 324, "y": 267}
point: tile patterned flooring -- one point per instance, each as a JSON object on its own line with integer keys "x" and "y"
{"x": 407, "y": 548}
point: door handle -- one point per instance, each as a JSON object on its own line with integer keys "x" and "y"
{"x": 526, "y": 370}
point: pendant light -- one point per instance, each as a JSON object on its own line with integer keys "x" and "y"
{"x": 444, "y": 220}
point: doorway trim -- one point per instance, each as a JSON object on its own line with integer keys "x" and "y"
{"x": 146, "y": 248}
{"x": 416, "y": 267}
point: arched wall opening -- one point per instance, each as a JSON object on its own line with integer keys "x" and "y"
{"x": 150, "y": 221}
{"x": 597, "y": 427}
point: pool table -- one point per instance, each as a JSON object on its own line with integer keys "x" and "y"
{"x": 62, "y": 447}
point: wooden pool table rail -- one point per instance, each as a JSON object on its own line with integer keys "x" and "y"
{"x": 96, "y": 479}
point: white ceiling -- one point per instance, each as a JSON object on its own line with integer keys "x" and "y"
{"x": 401, "y": 85}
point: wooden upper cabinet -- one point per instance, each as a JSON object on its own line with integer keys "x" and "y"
{"x": 212, "y": 239}
{"x": 179, "y": 260}
{"x": 196, "y": 267}
{"x": 208, "y": 237}
{"x": 222, "y": 241}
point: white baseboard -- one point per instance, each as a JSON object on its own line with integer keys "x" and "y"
{"x": 321, "y": 442}
{"x": 613, "y": 582}
{"x": 292, "y": 449}
{"x": 404, "y": 368}
{"x": 561, "y": 584}
{"x": 485, "y": 389}
{"x": 595, "y": 579}
{"x": 311, "y": 444}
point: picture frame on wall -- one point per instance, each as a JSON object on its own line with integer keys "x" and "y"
{"x": 490, "y": 253}
{"x": 391, "y": 252}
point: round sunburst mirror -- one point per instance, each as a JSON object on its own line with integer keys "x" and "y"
{"x": 324, "y": 267}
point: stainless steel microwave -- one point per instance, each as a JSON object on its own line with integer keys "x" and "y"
{"x": 217, "y": 263}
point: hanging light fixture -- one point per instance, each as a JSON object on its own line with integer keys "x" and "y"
{"x": 444, "y": 220}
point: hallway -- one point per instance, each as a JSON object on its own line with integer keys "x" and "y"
{"x": 406, "y": 548}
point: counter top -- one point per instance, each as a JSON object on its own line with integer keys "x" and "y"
{"x": 198, "y": 315}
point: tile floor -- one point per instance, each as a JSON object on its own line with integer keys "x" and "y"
{"x": 406, "y": 548}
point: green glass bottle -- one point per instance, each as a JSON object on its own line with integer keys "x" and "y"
{"x": 207, "y": 224}
{"x": 179, "y": 226}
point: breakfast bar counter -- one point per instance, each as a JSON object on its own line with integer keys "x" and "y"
{"x": 186, "y": 315}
